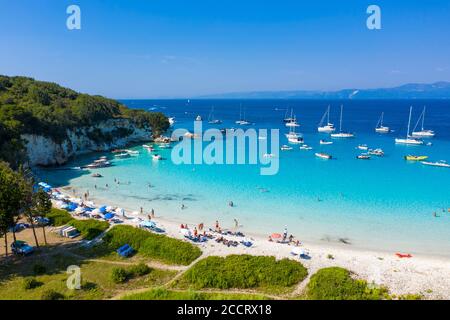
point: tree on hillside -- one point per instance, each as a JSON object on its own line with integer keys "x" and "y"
{"x": 11, "y": 200}
{"x": 42, "y": 206}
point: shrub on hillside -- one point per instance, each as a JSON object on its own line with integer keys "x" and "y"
{"x": 30, "y": 283}
{"x": 119, "y": 275}
{"x": 51, "y": 295}
{"x": 90, "y": 228}
{"x": 140, "y": 270}
{"x": 39, "y": 269}
{"x": 245, "y": 271}
{"x": 152, "y": 245}
{"x": 337, "y": 284}
{"x": 59, "y": 217}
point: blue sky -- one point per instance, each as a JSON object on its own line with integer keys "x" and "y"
{"x": 184, "y": 48}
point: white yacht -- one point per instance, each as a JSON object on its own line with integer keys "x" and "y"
{"x": 422, "y": 133}
{"x": 441, "y": 164}
{"x": 380, "y": 128}
{"x": 324, "y": 142}
{"x": 199, "y": 118}
{"x": 329, "y": 127}
{"x": 294, "y": 137}
{"x": 171, "y": 121}
{"x": 342, "y": 134}
{"x": 409, "y": 140}
{"x": 286, "y": 148}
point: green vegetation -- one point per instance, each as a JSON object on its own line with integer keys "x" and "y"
{"x": 96, "y": 280}
{"x": 165, "y": 294}
{"x": 43, "y": 108}
{"x": 151, "y": 245}
{"x": 121, "y": 275}
{"x": 51, "y": 295}
{"x": 245, "y": 271}
{"x": 337, "y": 284}
{"x": 59, "y": 217}
{"x": 89, "y": 228}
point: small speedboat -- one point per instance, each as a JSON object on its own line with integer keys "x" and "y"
{"x": 122, "y": 155}
{"x": 96, "y": 175}
{"x": 305, "y": 147}
{"x": 156, "y": 157}
{"x": 323, "y": 155}
{"x": 363, "y": 147}
{"x": 363, "y": 157}
{"x": 442, "y": 164}
{"x": 324, "y": 142}
{"x": 376, "y": 152}
{"x": 286, "y": 148}
{"x": 415, "y": 158}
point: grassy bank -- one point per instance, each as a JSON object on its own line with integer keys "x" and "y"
{"x": 244, "y": 272}
{"x": 165, "y": 294}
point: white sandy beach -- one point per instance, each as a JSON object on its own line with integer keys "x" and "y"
{"x": 422, "y": 274}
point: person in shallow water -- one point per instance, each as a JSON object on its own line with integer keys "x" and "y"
{"x": 231, "y": 204}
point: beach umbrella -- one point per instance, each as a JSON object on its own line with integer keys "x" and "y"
{"x": 102, "y": 209}
{"x": 109, "y": 216}
{"x": 275, "y": 236}
{"x": 109, "y": 208}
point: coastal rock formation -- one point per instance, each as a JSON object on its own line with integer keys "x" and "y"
{"x": 107, "y": 135}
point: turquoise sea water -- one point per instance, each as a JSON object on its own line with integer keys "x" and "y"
{"x": 384, "y": 203}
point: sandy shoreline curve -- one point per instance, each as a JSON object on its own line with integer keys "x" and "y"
{"x": 422, "y": 274}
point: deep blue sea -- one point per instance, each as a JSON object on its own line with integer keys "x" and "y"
{"x": 384, "y": 203}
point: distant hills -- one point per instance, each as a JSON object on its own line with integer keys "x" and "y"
{"x": 438, "y": 90}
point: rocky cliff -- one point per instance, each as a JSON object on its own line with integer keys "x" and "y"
{"x": 46, "y": 151}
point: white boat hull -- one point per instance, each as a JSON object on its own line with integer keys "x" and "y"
{"x": 343, "y": 135}
{"x": 423, "y": 134}
{"x": 409, "y": 142}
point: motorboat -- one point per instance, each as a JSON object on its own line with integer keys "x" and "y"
{"x": 323, "y": 155}
{"x": 286, "y": 148}
{"x": 415, "y": 158}
{"x": 363, "y": 147}
{"x": 442, "y": 164}
{"x": 376, "y": 152}
{"x": 122, "y": 155}
{"x": 156, "y": 157}
{"x": 363, "y": 157}
{"x": 324, "y": 142}
{"x": 305, "y": 147}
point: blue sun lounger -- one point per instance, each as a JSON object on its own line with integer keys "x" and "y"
{"x": 125, "y": 251}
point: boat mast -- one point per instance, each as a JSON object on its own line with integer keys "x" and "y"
{"x": 382, "y": 116}
{"x": 340, "y": 121}
{"x": 409, "y": 122}
{"x": 328, "y": 117}
{"x": 423, "y": 116}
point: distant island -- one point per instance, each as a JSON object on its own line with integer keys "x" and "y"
{"x": 437, "y": 90}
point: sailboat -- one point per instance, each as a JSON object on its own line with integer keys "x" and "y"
{"x": 422, "y": 133}
{"x": 242, "y": 120}
{"x": 286, "y": 118}
{"x": 211, "y": 119}
{"x": 379, "y": 127}
{"x": 342, "y": 134}
{"x": 409, "y": 140}
{"x": 329, "y": 127}
{"x": 293, "y": 121}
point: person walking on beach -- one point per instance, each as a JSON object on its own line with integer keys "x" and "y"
{"x": 200, "y": 226}
{"x": 236, "y": 223}
{"x": 142, "y": 210}
{"x": 153, "y": 213}
{"x": 285, "y": 233}
{"x": 217, "y": 225}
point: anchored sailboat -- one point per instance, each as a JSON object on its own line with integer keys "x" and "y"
{"x": 409, "y": 140}
{"x": 422, "y": 133}
{"x": 379, "y": 127}
{"x": 242, "y": 120}
{"x": 342, "y": 134}
{"x": 293, "y": 121}
{"x": 329, "y": 127}
{"x": 211, "y": 119}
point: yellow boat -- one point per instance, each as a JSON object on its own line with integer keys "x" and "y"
{"x": 415, "y": 158}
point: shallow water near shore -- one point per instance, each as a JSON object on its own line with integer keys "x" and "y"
{"x": 384, "y": 203}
